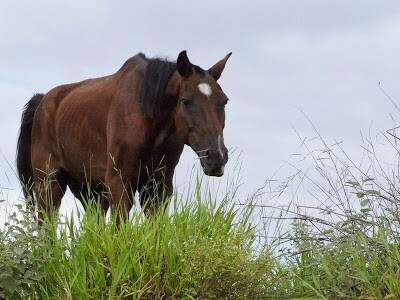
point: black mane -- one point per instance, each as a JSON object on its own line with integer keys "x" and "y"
{"x": 157, "y": 74}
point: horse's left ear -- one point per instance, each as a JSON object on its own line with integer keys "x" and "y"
{"x": 216, "y": 70}
{"x": 183, "y": 65}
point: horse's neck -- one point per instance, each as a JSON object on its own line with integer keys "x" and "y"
{"x": 163, "y": 129}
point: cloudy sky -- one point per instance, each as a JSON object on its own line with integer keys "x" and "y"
{"x": 324, "y": 58}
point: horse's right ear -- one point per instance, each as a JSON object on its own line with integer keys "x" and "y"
{"x": 183, "y": 64}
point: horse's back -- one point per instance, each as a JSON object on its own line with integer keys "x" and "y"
{"x": 89, "y": 92}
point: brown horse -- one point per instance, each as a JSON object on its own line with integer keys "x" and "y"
{"x": 111, "y": 136}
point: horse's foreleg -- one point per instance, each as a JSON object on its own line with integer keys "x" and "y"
{"x": 120, "y": 190}
{"x": 154, "y": 196}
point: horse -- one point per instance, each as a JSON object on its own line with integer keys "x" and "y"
{"x": 111, "y": 136}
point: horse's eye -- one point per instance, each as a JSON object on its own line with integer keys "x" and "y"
{"x": 187, "y": 101}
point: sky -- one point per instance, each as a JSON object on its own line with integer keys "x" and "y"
{"x": 323, "y": 59}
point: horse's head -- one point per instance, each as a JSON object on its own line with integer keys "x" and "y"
{"x": 200, "y": 112}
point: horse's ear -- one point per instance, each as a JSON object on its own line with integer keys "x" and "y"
{"x": 216, "y": 70}
{"x": 183, "y": 65}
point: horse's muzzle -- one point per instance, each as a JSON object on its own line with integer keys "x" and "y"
{"x": 214, "y": 160}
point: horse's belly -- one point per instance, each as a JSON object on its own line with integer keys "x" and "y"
{"x": 84, "y": 165}
{"x": 81, "y": 139}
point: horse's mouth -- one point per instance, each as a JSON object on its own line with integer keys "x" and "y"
{"x": 213, "y": 160}
{"x": 213, "y": 170}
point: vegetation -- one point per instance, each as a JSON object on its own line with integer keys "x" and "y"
{"x": 346, "y": 246}
{"x": 197, "y": 251}
{"x": 200, "y": 250}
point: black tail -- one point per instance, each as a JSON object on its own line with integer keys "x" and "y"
{"x": 24, "y": 164}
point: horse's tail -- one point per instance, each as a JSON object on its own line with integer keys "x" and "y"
{"x": 24, "y": 163}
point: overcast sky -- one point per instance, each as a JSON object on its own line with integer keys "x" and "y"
{"x": 322, "y": 57}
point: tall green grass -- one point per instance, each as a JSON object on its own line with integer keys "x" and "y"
{"x": 344, "y": 246}
{"x": 197, "y": 250}
{"x": 203, "y": 249}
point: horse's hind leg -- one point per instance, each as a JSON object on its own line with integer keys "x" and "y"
{"x": 49, "y": 185}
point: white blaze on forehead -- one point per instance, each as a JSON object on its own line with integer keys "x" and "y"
{"x": 205, "y": 88}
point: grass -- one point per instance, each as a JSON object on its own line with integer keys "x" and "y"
{"x": 203, "y": 249}
{"x": 344, "y": 246}
{"x": 197, "y": 251}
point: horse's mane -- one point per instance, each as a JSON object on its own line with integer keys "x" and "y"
{"x": 152, "y": 90}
